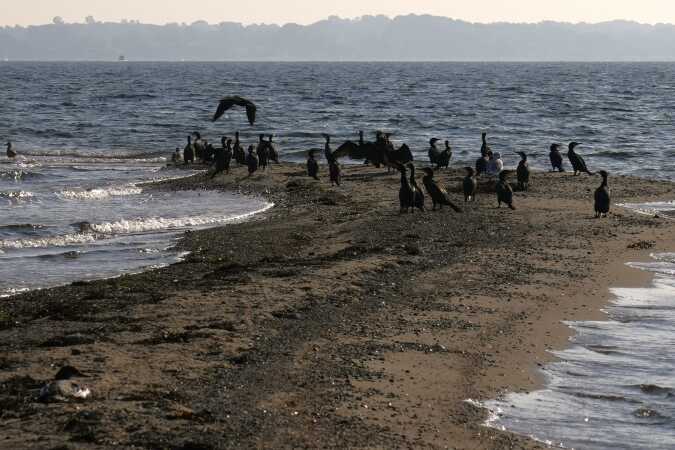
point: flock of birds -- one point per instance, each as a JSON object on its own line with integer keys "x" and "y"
{"x": 383, "y": 153}
{"x": 380, "y": 153}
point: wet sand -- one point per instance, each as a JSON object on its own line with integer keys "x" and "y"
{"x": 330, "y": 321}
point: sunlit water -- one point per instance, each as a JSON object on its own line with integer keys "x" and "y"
{"x": 88, "y": 133}
{"x": 614, "y": 387}
{"x": 74, "y": 218}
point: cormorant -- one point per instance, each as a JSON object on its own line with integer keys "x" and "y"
{"x": 556, "y": 158}
{"x": 10, "y": 152}
{"x": 239, "y": 153}
{"x": 189, "y": 152}
{"x": 272, "y": 149}
{"x": 470, "y": 185}
{"x": 406, "y": 193}
{"x": 334, "y": 171}
{"x": 221, "y": 158}
{"x": 484, "y": 148}
{"x": 198, "y": 146}
{"x": 312, "y": 166}
{"x": 251, "y": 160}
{"x": 523, "y": 172}
{"x": 418, "y": 198}
{"x": 438, "y": 157}
{"x": 263, "y": 152}
{"x": 602, "y": 197}
{"x": 228, "y": 155}
{"x": 504, "y": 191}
{"x": 228, "y": 102}
{"x": 578, "y": 163}
{"x": 327, "y": 150}
{"x": 482, "y": 162}
{"x": 439, "y": 196}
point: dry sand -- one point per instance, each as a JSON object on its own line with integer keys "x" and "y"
{"x": 331, "y": 321}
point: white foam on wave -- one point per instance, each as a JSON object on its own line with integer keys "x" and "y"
{"x": 146, "y": 224}
{"x": 100, "y": 193}
{"x": 651, "y": 208}
{"x": 50, "y": 241}
{"x": 142, "y": 225}
{"x": 17, "y": 195}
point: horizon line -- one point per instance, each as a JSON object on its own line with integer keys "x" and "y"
{"x": 347, "y": 19}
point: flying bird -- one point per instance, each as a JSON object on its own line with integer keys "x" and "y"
{"x": 228, "y": 102}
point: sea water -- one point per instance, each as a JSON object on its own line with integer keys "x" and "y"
{"x": 89, "y": 133}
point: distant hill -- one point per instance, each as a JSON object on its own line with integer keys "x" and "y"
{"x": 410, "y": 38}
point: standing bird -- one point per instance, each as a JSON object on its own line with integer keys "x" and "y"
{"x": 470, "y": 185}
{"x": 327, "y": 150}
{"x": 334, "y": 171}
{"x": 418, "y": 198}
{"x": 523, "y": 172}
{"x": 10, "y": 152}
{"x": 556, "y": 158}
{"x": 312, "y": 166}
{"x": 228, "y": 102}
{"x": 272, "y": 149}
{"x": 263, "y": 152}
{"x": 406, "y": 193}
{"x": 251, "y": 160}
{"x": 439, "y": 196}
{"x": 482, "y": 162}
{"x": 189, "y": 152}
{"x": 438, "y": 157}
{"x": 504, "y": 191}
{"x": 578, "y": 163}
{"x": 484, "y": 148}
{"x": 223, "y": 157}
{"x": 602, "y": 197}
{"x": 239, "y": 153}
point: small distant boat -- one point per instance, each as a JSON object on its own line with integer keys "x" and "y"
{"x": 122, "y": 58}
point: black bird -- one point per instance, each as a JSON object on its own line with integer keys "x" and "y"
{"x": 263, "y": 152}
{"x": 327, "y": 150}
{"x": 189, "y": 151}
{"x": 504, "y": 191}
{"x": 441, "y": 158}
{"x": 578, "y": 163}
{"x": 251, "y": 160}
{"x": 484, "y": 148}
{"x": 228, "y": 102}
{"x": 602, "y": 197}
{"x": 272, "y": 149}
{"x": 239, "y": 153}
{"x": 406, "y": 193}
{"x": 10, "y": 152}
{"x": 439, "y": 196}
{"x": 418, "y": 198}
{"x": 556, "y": 158}
{"x": 470, "y": 185}
{"x": 223, "y": 157}
{"x": 334, "y": 171}
{"x": 358, "y": 151}
{"x": 312, "y": 166}
{"x": 523, "y": 172}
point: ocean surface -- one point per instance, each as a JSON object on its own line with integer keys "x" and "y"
{"x": 71, "y": 206}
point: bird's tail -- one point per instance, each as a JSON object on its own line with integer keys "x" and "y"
{"x": 589, "y": 172}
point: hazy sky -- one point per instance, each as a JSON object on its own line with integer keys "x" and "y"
{"x": 27, "y": 12}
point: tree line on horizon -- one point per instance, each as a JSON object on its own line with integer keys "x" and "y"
{"x": 369, "y": 38}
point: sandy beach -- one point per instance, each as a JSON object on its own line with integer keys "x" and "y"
{"x": 329, "y": 321}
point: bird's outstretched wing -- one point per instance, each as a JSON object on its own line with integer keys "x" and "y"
{"x": 347, "y": 149}
{"x": 228, "y": 102}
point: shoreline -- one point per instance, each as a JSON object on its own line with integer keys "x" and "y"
{"x": 382, "y": 324}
